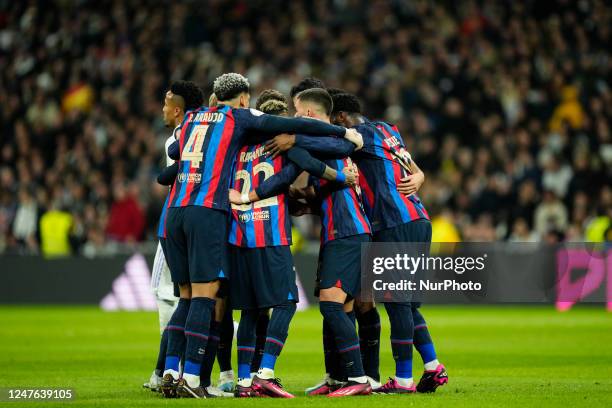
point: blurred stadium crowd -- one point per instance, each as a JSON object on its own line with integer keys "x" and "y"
{"x": 505, "y": 105}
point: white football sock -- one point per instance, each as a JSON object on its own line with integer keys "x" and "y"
{"x": 404, "y": 382}
{"x": 329, "y": 380}
{"x": 244, "y": 382}
{"x": 175, "y": 374}
{"x": 361, "y": 380}
{"x": 432, "y": 365}
{"x": 229, "y": 374}
{"x": 193, "y": 381}
{"x": 265, "y": 373}
{"x": 373, "y": 382}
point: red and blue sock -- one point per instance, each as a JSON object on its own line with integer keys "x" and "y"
{"x": 176, "y": 335}
{"x": 402, "y": 328}
{"x": 422, "y": 339}
{"x": 276, "y": 336}
{"x": 197, "y": 333}
{"x": 345, "y": 337}
{"x": 246, "y": 342}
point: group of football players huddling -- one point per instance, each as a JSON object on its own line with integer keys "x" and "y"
{"x": 236, "y": 175}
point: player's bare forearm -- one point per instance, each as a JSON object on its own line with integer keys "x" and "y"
{"x": 330, "y": 174}
{"x": 414, "y": 168}
{"x": 348, "y": 176}
{"x": 412, "y": 183}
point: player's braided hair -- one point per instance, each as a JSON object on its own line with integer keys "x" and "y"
{"x": 212, "y": 100}
{"x": 306, "y": 83}
{"x": 230, "y": 85}
{"x": 269, "y": 94}
{"x": 346, "y": 102}
{"x": 190, "y": 92}
{"x": 274, "y": 107}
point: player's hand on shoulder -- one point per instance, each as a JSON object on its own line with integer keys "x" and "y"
{"x": 280, "y": 144}
{"x": 353, "y": 136}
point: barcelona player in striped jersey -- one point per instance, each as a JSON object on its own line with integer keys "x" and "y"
{"x": 397, "y": 215}
{"x": 209, "y": 140}
{"x": 262, "y": 274}
{"x": 344, "y": 228}
{"x": 369, "y": 323}
{"x": 167, "y": 178}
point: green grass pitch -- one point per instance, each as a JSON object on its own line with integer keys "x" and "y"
{"x": 495, "y": 356}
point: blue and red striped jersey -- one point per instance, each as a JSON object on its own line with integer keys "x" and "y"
{"x": 209, "y": 141}
{"x": 381, "y": 164}
{"x": 342, "y": 214}
{"x": 206, "y": 147}
{"x": 266, "y": 222}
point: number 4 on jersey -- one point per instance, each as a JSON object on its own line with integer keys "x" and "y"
{"x": 192, "y": 152}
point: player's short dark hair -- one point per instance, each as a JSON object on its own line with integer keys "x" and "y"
{"x": 267, "y": 95}
{"x": 306, "y": 83}
{"x": 230, "y": 85}
{"x": 346, "y": 102}
{"x": 190, "y": 92}
{"x": 318, "y": 96}
{"x": 335, "y": 91}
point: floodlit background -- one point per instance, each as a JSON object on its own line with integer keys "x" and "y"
{"x": 505, "y": 105}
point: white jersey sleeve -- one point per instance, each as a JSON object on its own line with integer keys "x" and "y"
{"x": 173, "y": 138}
